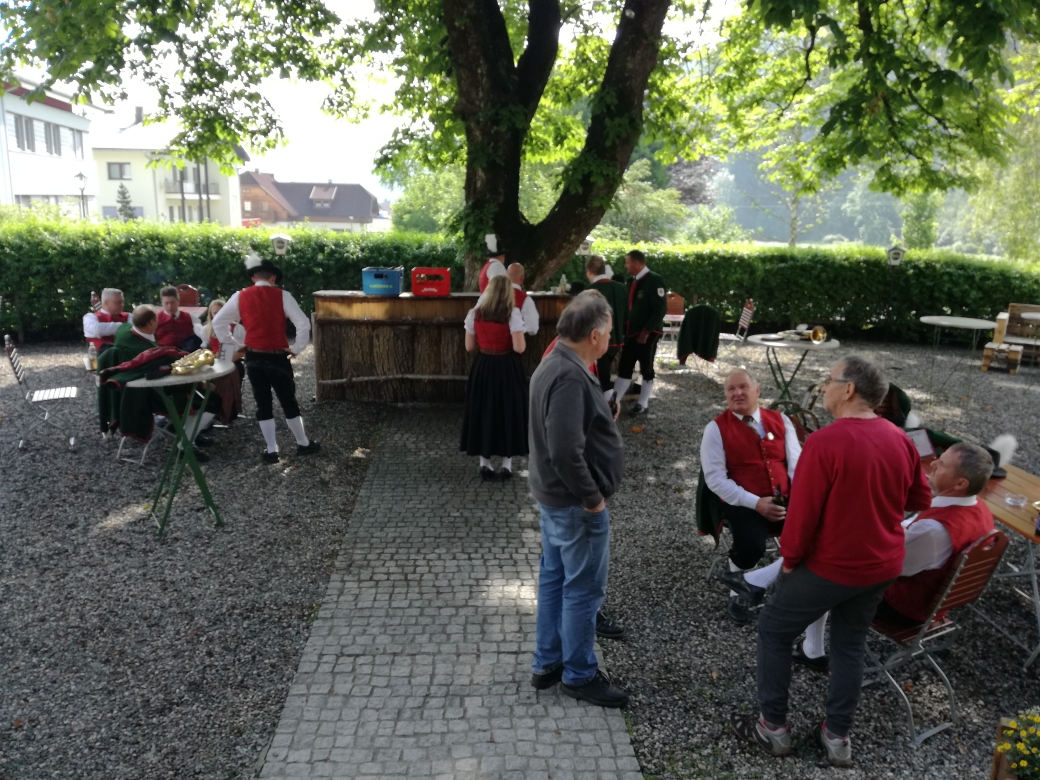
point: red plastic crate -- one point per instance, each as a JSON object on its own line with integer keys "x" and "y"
{"x": 431, "y": 282}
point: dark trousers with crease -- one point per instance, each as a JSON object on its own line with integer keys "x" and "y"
{"x": 269, "y": 372}
{"x": 750, "y": 532}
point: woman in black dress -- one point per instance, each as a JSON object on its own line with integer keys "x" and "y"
{"x": 495, "y": 421}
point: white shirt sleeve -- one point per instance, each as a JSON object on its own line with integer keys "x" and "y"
{"x": 93, "y": 329}
{"x": 791, "y": 446}
{"x": 928, "y": 546}
{"x": 224, "y": 319}
{"x": 713, "y": 462}
{"x": 299, "y": 319}
{"x": 530, "y": 315}
{"x": 238, "y": 337}
{"x": 516, "y": 321}
{"x": 470, "y": 317}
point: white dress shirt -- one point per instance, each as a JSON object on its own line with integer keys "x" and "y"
{"x": 529, "y": 312}
{"x": 94, "y": 329}
{"x": 928, "y": 544}
{"x": 516, "y": 321}
{"x": 644, "y": 272}
{"x": 713, "y": 460}
{"x": 145, "y": 336}
{"x": 229, "y": 314}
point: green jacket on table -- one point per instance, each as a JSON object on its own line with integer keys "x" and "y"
{"x": 648, "y": 304}
{"x": 617, "y": 296}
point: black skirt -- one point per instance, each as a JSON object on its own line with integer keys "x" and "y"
{"x": 495, "y": 420}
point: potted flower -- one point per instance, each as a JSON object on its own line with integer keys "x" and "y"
{"x": 1018, "y": 748}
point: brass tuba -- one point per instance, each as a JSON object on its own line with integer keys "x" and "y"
{"x": 816, "y": 334}
{"x": 189, "y": 364}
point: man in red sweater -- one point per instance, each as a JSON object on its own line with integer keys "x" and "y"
{"x": 842, "y": 546}
{"x": 176, "y": 328}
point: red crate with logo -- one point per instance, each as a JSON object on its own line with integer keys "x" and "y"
{"x": 431, "y": 282}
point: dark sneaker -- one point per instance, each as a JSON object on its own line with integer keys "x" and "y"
{"x": 607, "y": 628}
{"x": 822, "y": 665}
{"x": 738, "y": 610}
{"x": 599, "y": 691}
{"x": 504, "y": 474}
{"x": 837, "y": 749}
{"x": 750, "y": 728}
{"x": 547, "y": 679}
{"x": 269, "y": 457}
{"x": 487, "y": 474}
{"x": 308, "y": 449}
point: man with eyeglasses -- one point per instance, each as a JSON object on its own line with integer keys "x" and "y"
{"x": 842, "y": 546}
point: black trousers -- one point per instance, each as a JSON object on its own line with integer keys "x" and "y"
{"x": 633, "y": 352}
{"x": 750, "y": 532}
{"x": 269, "y": 372}
{"x": 603, "y": 366}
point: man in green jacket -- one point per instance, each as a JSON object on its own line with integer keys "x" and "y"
{"x": 646, "y": 310}
{"x": 617, "y": 297}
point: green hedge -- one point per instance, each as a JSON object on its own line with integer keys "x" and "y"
{"x": 48, "y": 269}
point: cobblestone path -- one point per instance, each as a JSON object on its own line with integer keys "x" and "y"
{"x": 418, "y": 664}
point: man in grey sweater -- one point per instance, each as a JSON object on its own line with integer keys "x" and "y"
{"x": 576, "y": 462}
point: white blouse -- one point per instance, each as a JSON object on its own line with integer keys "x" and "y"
{"x": 516, "y": 321}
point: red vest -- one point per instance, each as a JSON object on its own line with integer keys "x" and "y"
{"x": 171, "y": 332}
{"x": 914, "y": 596}
{"x": 482, "y": 282}
{"x": 759, "y": 465}
{"x": 519, "y": 296}
{"x": 263, "y": 317}
{"x": 104, "y": 316}
{"x": 492, "y": 335}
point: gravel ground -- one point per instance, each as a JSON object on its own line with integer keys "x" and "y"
{"x": 688, "y": 667}
{"x": 126, "y": 656}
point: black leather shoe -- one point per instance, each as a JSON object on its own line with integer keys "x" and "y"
{"x": 607, "y": 628}
{"x": 547, "y": 679}
{"x": 202, "y": 440}
{"x": 599, "y": 691}
{"x": 737, "y": 609}
{"x": 635, "y": 410}
{"x": 734, "y": 580}
{"x": 488, "y": 475}
{"x": 308, "y": 449}
{"x": 821, "y": 665}
{"x": 269, "y": 457}
{"x": 200, "y": 456}
{"x": 504, "y": 474}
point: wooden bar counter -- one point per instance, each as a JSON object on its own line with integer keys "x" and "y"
{"x": 405, "y": 348}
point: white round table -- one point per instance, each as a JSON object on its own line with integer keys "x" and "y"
{"x": 775, "y": 341}
{"x": 964, "y": 323}
{"x": 941, "y": 321}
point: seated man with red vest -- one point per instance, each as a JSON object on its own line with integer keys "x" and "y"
{"x": 495, "y": 265}
{"x": 528, "y": 311}
{"x": 748, "y": 455}
{"x": 176, "y": 327}
{"x": 262, "y": 310}
{"x": 99, "y": 328}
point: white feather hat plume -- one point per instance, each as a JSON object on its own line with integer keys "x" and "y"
{"x": 253, "y": 260}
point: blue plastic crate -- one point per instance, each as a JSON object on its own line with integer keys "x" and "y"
{"x": 381, "y": 281}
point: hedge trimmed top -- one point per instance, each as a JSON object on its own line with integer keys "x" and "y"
{"x": 48, "y": 269}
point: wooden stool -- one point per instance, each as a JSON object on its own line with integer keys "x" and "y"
{"x": 1009, "y": 354}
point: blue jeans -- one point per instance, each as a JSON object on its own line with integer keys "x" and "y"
{"x": 572, "y": 583}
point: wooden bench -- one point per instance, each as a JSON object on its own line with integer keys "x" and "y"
{"x": 1019, "y": 331}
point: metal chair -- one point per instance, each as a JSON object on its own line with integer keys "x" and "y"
{"x": 743, "y": 324}
{"x": 39, "y": 402}
{"x": 971, "y": 572}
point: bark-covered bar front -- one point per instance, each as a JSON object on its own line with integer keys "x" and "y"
{"x": 405, "y": 348}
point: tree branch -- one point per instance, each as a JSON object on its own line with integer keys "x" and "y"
{"x": 536, "y": 63}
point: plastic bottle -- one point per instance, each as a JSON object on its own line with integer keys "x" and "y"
{"x": 92, "y": 355}
{"x": 563, "y": 284}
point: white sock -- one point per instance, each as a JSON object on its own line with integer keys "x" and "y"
{"x": 484, "y": 462}
{"x": 607, "y": 394}
{"x": 267, "y": 429}
{"x": 644, "y": 392}
{"x": 813, "y": 646}
{"x": 296, "y": 426}
{"x": 763, "y": 578}
{"x": 507, "y": 464}
{"x": 621, "y": 387}
{"x": 734, "y": 567}
{"x": 204, "y": 423}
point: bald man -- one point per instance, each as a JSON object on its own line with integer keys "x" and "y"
{"x": 748, "y": 455}
{"x": 524, "y": 303}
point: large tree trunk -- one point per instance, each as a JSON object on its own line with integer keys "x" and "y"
{"x": 497, "y": 100}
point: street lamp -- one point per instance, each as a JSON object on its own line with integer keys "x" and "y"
{"x": 82, "y": 193}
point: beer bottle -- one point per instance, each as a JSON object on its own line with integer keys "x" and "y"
{"x": 778, "y": 497}
{"x": 612, "y": 403}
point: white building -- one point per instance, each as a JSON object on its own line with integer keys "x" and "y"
{"x": 45, "y": 154}
{"x": 130, "y": 157}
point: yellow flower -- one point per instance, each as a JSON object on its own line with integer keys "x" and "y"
{"x": 1020, "y": 746}
{"x": 1032, "y": 729}
{"x": 1013, "y": 725}
{"x": 1022, "y": 734}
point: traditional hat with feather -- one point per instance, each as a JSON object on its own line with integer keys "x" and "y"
{"x": 254, "y": 263}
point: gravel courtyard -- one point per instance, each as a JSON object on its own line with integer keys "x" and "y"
{"x": 122, "y": 656}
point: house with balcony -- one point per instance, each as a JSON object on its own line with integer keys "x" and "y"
{"x": 157, "y": 186}
{"x": 319, "y": 204}
{"x": 45, "y": 150}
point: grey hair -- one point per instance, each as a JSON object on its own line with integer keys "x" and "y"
{"x": 752, "y": 377}
{"x": 866, "y": 377}
{"x": 974, "y": 464}
{"x": 588, "y": 311}
{"x": 110, "y": 292}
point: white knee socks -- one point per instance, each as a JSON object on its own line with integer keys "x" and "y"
{"x": 485, "y": 463}
{"x": 621, "y": 387}
{"x": 267, "y": 429}
{"x": 204, "y": 423}
{"x": 763, "y": 578}
{"x": 507, "y": 464}
{"x": 296, "y": 426}
{"x": 607, "y": 394}
{"x": 644, "y": 392}
{"x": 734, "y": 567}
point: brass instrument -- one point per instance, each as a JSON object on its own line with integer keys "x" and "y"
{"x": 189, "y": 364}
{"x": 817, "y": 334}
